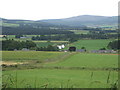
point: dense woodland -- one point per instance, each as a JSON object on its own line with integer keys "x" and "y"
{"x": 32, "y": 31}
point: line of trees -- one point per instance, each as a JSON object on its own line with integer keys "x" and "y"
{"x": 32, "y": 31}
{"x": 10, "y": 45}
{"x": 48, "y": 48}
{"x": 74, "y": 37}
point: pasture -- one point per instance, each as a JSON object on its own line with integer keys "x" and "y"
{"x": 96, "y": 77}
{"x": 91, "y": 44}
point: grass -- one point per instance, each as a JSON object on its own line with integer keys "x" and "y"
{"x": 29, "y": 55}
{"x": 91, "y": 44}
{"x": 89, "y": 61}
{"x": 61, "y": 78}
{"x": 36, "y": 77}
{"x": 41, "y": 78}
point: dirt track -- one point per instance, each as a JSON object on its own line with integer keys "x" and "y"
{"x": 9, "y": 63}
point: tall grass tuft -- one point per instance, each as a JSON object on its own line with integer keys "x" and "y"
{"x": 108, "y": 78}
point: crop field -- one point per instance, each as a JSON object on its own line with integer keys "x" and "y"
{"x": 99, "y": 76}
{"x": 91, "y": 44}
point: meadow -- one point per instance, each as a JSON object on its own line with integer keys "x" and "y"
{"x": 96, "y": 77}
{"x": 57, "y": 78}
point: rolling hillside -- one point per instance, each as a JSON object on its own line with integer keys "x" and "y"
{"x": 84, "y": 20}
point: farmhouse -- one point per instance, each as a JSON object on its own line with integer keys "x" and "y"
{"x": 61, "y": 46}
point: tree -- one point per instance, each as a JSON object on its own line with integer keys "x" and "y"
{"x": 102, "y": 48}
{"x": 83, "y": 48}
{"x": 114, "y": 45}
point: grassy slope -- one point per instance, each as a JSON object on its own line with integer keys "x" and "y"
{"x": 89, "y": 60}
{"x": 91, "y": 44}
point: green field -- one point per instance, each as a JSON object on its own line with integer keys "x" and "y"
{"x": 89, "y": 60}
{"x": 96, "y": 77}
{"x": 91, "y": 44}
{"x": 53, "y": 78}
{"x": 29, "y": 55}
{"x": 80, "y": 31}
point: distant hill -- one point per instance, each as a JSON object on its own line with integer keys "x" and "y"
{"x": 28, "y": 27}
{"x": 38, "y": 23}
{"x": 86, "y": 20}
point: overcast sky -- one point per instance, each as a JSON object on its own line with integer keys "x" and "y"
{"x": 55, "y": 9}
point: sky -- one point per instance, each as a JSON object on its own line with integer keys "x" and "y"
{"x": 56, "y": 9}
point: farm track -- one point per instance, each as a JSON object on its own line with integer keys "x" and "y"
{"x": 60, "y": 58}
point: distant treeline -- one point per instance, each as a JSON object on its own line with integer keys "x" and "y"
{"x": 32, "y": 31}
{"x": 68, "y": 37}
{"x": 36, "y": 29}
